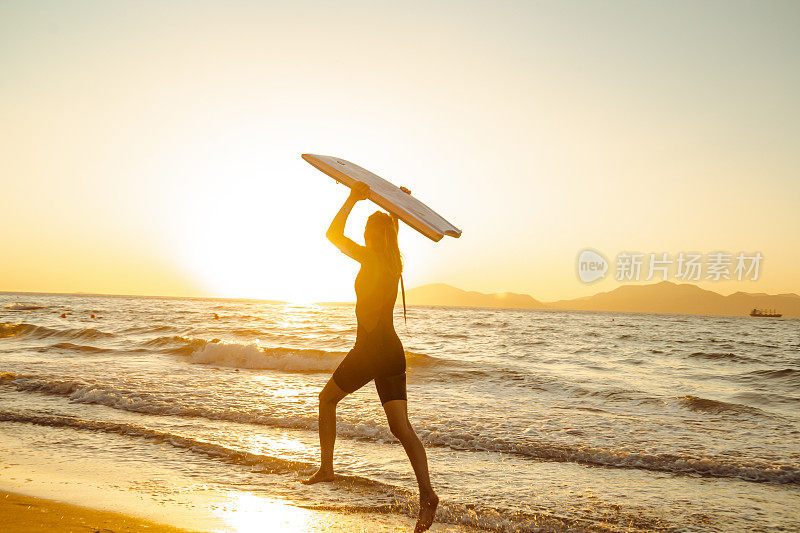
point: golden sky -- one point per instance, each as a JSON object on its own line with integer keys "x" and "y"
{"x": 154, "y": 147}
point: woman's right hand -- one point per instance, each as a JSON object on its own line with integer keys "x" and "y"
{"x": 359, "y": 191}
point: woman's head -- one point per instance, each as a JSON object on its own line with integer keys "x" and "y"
{"x": 380, "y": 234}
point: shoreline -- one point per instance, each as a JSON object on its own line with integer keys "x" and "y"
{"x": 91, "y": 486}
{"x": 24, "y": 513}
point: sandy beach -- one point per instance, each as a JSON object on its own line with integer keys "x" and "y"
{"x": 49, "y": 488}
{"x": 27, "y": 514}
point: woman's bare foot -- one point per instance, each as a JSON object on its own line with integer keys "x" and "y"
{"x": 427, "y": 511}
{"x": 319, "y": 477}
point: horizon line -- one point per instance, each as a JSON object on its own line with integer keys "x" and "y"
{"x": 272, "y": 300}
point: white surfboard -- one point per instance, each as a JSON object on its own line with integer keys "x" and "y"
{"x": 407, "y": 208}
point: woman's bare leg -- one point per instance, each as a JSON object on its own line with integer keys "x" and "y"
{"x": 397, "y": 415}
{"x": 330, "y": 396}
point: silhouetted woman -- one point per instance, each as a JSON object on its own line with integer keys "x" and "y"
{"x": 378, "y": 353}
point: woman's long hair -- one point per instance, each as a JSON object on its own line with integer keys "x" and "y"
{"x": 390, "y": 249}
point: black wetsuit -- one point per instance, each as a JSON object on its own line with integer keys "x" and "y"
{"x": 378, "y": 353}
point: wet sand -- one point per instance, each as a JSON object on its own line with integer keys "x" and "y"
{"x": 26, "y": 514}
{"x": 86, "y": 490}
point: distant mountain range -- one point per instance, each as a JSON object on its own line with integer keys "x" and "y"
{"x": 444, "y": 294}
{"x": 663, "y": 297}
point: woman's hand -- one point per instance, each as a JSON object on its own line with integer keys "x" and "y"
{"x": 359, "y": 191}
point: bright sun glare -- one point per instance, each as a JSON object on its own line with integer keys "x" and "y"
{"x": 239, "y": 233}
{"x": 249, "y": 513}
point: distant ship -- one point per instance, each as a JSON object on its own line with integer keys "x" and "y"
{"x": 766, "y": 313}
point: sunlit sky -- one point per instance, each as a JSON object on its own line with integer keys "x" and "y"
{"x": 154, "y": 147}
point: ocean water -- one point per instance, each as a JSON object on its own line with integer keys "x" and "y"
{"x": 534, "y": 420}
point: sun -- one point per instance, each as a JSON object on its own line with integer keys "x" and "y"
{"x": 263, "y": 237}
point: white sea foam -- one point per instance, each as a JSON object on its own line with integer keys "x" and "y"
{"x": 23, "y": 307}
{"x": 252, "y": 356}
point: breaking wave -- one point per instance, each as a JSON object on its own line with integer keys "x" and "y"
{"x": 23, "y": 307}
{"x": 252, "y": 356}
{"x": 256, "y": 357}
{"x": 8, "y": 330}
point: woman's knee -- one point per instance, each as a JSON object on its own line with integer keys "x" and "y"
{"x": 401, "y": 429}
{"x": 331, "y": 394}
{"x": 327, "y": 398}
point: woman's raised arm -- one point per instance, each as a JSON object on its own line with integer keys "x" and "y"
{"x": 335, "y": 234}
